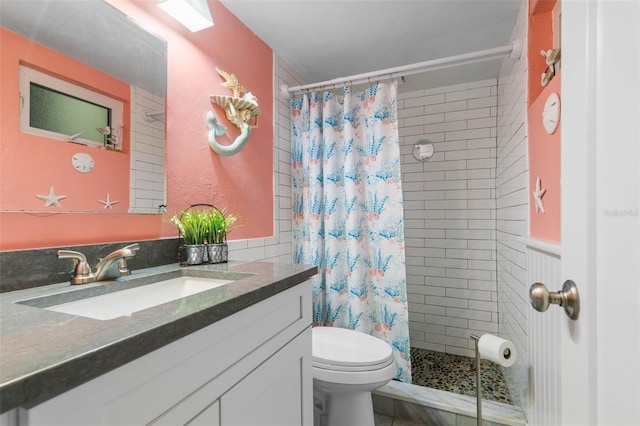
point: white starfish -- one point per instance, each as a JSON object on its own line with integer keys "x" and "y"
{"x": 108, "y": 204}
{"x": 537, "y": 196}
{"x": 52, "y": 199}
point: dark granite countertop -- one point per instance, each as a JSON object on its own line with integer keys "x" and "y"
{"x": 45, "y": 353}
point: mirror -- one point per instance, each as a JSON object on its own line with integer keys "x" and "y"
{"x": 96, "y": 46}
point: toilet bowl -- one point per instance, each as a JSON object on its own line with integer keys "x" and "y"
{"x": 347, "y": 366}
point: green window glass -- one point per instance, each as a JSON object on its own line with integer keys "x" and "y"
{"x": 65, "y": 114}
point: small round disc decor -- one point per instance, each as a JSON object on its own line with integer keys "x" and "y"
{"x": 82, "y": 162}
{"x": 551, "y": 113}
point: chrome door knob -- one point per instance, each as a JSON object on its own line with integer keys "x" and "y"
{"x": 568, "y": 298}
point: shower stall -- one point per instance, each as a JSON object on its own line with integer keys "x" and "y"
{"x": 465, "y": 206}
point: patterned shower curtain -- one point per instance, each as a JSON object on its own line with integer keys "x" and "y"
{"x": 347, "y": 211}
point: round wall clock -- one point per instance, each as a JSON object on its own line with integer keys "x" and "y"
{"x": 82, "y": 162}
{"x": 551, "y": 113}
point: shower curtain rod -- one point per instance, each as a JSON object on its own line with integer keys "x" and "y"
{"x": 513, "y": 50}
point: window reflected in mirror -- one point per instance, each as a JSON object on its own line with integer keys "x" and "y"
{"x": 66, "y": 111}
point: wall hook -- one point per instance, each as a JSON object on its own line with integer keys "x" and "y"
{"x": 151, "y": 116}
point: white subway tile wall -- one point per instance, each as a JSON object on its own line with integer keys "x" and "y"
{"x": 450, "y": 214}
{"x": 465, "y": 209}
{"x": 279, "y": 247}
{"x": 512, "y": 196}
{"x": 147, "y": 179}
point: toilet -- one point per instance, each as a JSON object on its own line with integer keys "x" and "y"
{"x": 347, "y": 366}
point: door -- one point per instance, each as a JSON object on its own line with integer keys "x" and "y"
{"x": 600, "y": 352}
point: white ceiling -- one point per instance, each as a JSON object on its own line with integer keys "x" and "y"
{"x": 326, "y": 39}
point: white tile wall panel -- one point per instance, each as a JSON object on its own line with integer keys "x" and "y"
{"x": 481, "y": 143}
{"x": 410, "y": 130}
{"x": 480, "y": 123}
{"x": 423, "y": 100}
{"x": 483, "y": 327}
{"x": 426, "y": 309}
{"x": 448, "y": 282}
{"x": 469, "y": 114}
{"x": 489, "y": 101}
{"x": 429, "y": 328}
{"x": 446, "y": 107}
{"x": 450, "y": 146}
{"x": 470, "y": 234}
{"x": 468, "y": 94}
{"x": 469, "y": 314}
{"x": 468, "y": 134}
{"x": 410, "y": 112}
{"x": 512, "y": 195}
{"x": 448, "y": 126}
{"x": 468, "y": 294}
{"x": 147, "y": 176}
{"x": 478, "y": 167}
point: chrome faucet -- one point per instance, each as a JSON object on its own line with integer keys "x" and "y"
{"x": 112, "y": 266}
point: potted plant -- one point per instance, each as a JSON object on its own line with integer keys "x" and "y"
{"x": 218, "y": 224}
{"x": 192, "y": 226}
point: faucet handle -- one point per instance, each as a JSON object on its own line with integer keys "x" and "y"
{"x": 123, "y": 268}
{"x": 82, "y": 272}
{"x": 132, "y": 247}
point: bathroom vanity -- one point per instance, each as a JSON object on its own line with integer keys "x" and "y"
{"x": 239, "y": 353}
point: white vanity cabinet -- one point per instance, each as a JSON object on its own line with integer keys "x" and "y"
{"x": 251, "y": 368}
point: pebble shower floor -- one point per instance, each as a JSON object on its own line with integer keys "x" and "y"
{"x": 456, "y": 373}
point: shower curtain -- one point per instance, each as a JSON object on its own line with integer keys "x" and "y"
{"x": 348, "y": 215}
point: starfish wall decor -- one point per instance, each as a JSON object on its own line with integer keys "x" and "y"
{"x": 108, "y": 203}
{"x": 51, "y": 199}
{"x": 537, "y": 196}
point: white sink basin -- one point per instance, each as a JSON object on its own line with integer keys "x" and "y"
{"x": 126, "y": 302}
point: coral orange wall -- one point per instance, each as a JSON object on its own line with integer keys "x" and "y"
{"x": 544, "y": 149}
{"x": 242, "y": 183}
{"x": 544, "y": 162}
{"x": 31, "y": 164}
{"x": 540, "y": 38}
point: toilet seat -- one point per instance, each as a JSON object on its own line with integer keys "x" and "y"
{"x": 356, "y": 368}
{"x": 339, "y": 349}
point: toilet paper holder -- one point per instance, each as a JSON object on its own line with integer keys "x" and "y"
{"x": 568, "y": 298}
{"x": 507, "y": 354}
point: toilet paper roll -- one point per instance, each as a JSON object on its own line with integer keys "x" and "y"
{"x": 498, "y": 350}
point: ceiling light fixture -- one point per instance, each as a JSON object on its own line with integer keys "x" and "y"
{"x": 193, "y": 14}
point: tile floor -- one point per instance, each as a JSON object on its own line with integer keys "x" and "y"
{"x": 449, "y": 373}
{"x": 455, "y": 373}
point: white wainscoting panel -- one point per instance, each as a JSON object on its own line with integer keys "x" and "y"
{"x": 544, "y": 334}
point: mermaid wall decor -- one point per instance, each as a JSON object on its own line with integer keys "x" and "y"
{"x": 241, "y": 110}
